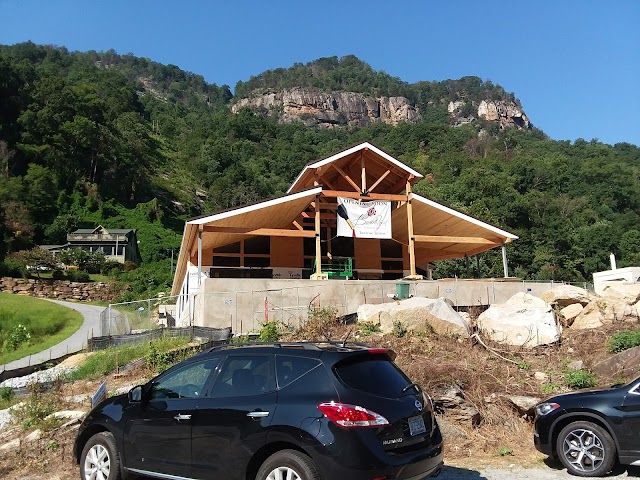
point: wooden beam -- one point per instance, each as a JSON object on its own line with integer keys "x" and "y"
{"x": 372, "y": 196}
{"x": 382, "y": 177}
{"x": 328, "y": 184}
{"x": 412, "y": 242}
{"x": 317, "y": 235}
{"x": 449, "y": 239}
{"x": 297, "y": 225}
{"x": 363, "y": 173}
{"x": 347, "y": 178}
{"x": 265, "y": 232}
{"x": 323, "y": 216}
{"x": 400, "y": 185}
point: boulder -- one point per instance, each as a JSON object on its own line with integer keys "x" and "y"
{"x": 565, "y": 295}
{"x": 628, "y": 292}
{"x": 570, "y": 312}
{"x": 524, "y": 404}
{"x": 11, "y": 445}
{"x": 449, "y": 431}
{"x": 575, "y": 365}
{"x": 592, "y": 316}
{"x": 627, "y": 363}
{"x": 33, "y": 436}
{"x": 541, "y": 376}
{"x": 417, "y": 314}
{"x": 617, "y": 310}
{"x": 67, "y": 414}
{"x": 524, "y": 320}
{"x": 451, "y": 400}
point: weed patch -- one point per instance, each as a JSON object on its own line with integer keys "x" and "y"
{"x": 625, "y": 340}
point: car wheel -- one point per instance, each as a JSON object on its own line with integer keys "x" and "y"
{"x": 100, "y": 459}
{"x": 288, "y": 465}
{"x": 586, "y": 449}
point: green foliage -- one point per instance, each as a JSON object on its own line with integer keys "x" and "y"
{"x": 621, "y": 341}
{"x": 368, "y": 328}
{"x": 579, "y": 379}
{"x": 269, "y": 332}
{"x": 33, "y": 411}
{"x": 399, "y": 330}
{"x": 36, "y": 260}
{"x": 105, "y": 361}
{"x": 91, "y": 262}
{"x": 549, "y": 388}
{"x": 18, "y": 335}
{"x": 29, "y": 325}
{"x": 6, "y": 394}
{"x": 505, "y": 451}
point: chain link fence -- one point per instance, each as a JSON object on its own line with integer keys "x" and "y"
{"x": 131, "y": 317}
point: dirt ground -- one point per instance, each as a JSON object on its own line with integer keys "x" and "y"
{"x": 503, "y": 439}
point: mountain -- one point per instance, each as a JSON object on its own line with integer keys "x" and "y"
{"x": 331, "y": 92}
{"x": 97, "y": 138}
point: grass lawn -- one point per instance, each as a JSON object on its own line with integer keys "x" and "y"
{"x": 46, "y": 323}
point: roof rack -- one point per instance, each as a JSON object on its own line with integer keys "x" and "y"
{"x": 312, "y": 345}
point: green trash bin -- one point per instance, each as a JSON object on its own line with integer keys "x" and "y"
{"x": 402, "y": 290}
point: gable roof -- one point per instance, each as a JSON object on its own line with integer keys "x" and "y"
{"x": 306, "y": 177}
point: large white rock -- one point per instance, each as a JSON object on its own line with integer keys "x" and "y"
{"x": 570, "y": 312}
{"x": 523, "y": 321}
{"x": 592, "y": 316}
{"x": 417, "y": 314}
{"x": 628, "y": 292}
{"x": 564, "y": 295}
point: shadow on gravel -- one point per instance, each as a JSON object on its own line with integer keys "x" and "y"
{"x": 455, "y": 473}
{"x": 633, "y": 472}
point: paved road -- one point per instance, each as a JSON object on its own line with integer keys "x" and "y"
{"x": 74, "y": 343}
{"x": 552, "y": 471}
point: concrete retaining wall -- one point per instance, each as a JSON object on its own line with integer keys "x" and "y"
{"x": 244, "y": 304}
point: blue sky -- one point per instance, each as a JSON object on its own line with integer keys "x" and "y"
{"x": 574, "y": 64}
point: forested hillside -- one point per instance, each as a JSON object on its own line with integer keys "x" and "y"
{"x": 99, "y": 138}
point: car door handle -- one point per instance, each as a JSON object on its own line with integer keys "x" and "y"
{"x": 258, "y": 414}
{"x": 181, "y": 417}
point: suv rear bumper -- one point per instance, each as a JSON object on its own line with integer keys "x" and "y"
{"x": 358, "y": 465}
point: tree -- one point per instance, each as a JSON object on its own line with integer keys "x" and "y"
{"x": 36, "y": 260}
{"x": 91, "y": 262}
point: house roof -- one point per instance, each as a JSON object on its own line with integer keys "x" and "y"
{"x": 377, "y": 164}
{"x": 278, "y": 213}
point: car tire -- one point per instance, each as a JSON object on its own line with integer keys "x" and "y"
{"x": 100, "y": 459}
{"x": 288, "y": 465}
{"x": 586, "y": 449}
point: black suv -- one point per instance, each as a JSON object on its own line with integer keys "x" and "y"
{"x": 280, "y": 411}
{"x": 590, "y": 430}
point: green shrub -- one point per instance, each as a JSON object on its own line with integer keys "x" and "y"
{"x": 269, "y": 332}
{"x": 621, "y": 341}
{"x": 579, "y": 379}
{"x": 399, "y": 330}
{"x": 78, "y": 276}
{"x": 19, "y": 334}
{"x": 6, "y": 394}
{"x": 57, "y": 275}
{"x": 367, "y": 328}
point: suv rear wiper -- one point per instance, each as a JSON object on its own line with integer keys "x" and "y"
{"x": 411, "y": 385}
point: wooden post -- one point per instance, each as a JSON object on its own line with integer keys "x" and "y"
{"x": 200, "y": 228}
{"x": 318, "y": 244}
{"x": 412, "y": 251}
{"x": 364, "y": 173}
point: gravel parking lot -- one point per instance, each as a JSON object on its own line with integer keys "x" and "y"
{"x": 551, "y": 472}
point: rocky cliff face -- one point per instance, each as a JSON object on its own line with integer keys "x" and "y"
{"x": 506, "y": 113}
{"x": 330, "y": 109}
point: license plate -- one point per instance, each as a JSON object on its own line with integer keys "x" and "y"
{"x": 416, "y": 425}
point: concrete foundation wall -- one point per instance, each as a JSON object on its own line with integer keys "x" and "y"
{"x": 244, "y": 304}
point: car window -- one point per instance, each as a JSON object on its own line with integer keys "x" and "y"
{"x": 245, "y": 376}
{"x": 290, "y": 368}
{"x": 379, "y": 377}
{"x": 186, "y": 382}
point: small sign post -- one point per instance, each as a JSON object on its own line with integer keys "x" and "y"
{"x": 100, "y": 395}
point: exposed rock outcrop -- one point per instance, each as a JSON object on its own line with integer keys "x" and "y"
{"x": 506, "y": 113}
{"x": 329, "y": 109}
{"x": 565, "y": 295}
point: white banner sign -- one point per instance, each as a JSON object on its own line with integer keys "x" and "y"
{"x": 364, "y": 219}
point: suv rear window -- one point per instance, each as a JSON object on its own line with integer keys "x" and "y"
{"x": 378, "y": 376}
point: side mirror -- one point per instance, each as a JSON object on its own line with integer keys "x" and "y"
{"x": 135, "y": 394}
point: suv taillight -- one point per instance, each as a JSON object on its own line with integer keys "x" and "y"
{"x": 352, "y": 416}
